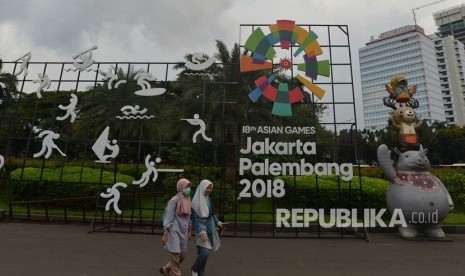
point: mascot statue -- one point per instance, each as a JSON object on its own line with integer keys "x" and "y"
{"x": 423, "y": 199}
{"x": 405, "y": 120}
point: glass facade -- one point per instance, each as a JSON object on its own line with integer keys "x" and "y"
{"x": 406, "y": 51}
{"x": 451, "y": 61}
{"x": 451, "y": 22}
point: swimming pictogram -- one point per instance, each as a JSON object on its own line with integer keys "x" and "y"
{"x": 133, "y": 112}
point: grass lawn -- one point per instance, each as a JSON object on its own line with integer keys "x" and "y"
{"x": 457, "y": 217}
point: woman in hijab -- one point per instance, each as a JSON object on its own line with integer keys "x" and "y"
{"x": 204, "y": 222}
{"x": 176, "y": 225}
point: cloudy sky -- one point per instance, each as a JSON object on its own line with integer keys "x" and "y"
{"x": 164, "y": 31}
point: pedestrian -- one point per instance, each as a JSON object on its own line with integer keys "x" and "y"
{"x": 204, "y": 223}
{"x": 177, "y": 230}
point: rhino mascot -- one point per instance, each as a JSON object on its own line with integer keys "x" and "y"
{"x": 423, "y": 199}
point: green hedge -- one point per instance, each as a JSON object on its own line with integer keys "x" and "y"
{"x": 57, "y": 183}
{"x": 373, "y": 172}
{"x": 454, "y": 180}
{"x": 334, "y": 195}
{"x": 194, "y": 173}
{"x": 327, "y": 192}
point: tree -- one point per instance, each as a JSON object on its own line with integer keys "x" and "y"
{"x": 101, "y": 107}
{"x": 450, "y": 141}
{"x": 8, "y": 88}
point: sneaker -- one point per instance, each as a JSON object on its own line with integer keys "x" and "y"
{"x": 193, "y": 273}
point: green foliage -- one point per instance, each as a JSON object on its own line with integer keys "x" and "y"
{"x": 454, "y": 180}
{"x": 59, "y": 183}
{"x": 445, "y": 143}
{"x": 184, "y": 153}
{"x": 449, "y": 143}
{"x": 374, "y": 192}
{"x": 225, "y": 107}
{"x": 68, "y": 174}
{"x": 327, "y": 192}
{"x": 373, "y": 172}
{"x": 10, "y": 91}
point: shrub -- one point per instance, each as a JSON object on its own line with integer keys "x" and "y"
{"x": 327, "y": 192}
{"x": 58, "y": 183}
{"x": 455, "y": 184}
{"x": 373, "y": 172}
{"x": 374, "y": 192}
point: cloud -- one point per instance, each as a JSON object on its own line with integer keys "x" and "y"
{"x": 166, "y": 30}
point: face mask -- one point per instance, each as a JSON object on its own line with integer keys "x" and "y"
{"x": 186, "y": 191}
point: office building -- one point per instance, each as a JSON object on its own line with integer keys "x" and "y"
{"x": 406, "y": 51}
{"x": 451, "y": 22}
{"x": 451, "y": 62}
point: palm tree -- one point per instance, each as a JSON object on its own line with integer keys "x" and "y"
{"x": 100, "y": 106}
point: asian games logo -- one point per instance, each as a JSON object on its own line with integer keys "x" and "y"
{"x": 287, "y": 34}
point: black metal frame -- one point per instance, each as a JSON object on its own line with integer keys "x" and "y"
{"x": 228, "y": 187}
{"x": 333, "y": 123}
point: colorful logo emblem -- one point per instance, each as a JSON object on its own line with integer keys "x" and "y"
{"x": 261, "y": 46}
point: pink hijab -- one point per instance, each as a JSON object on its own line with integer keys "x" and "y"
{"x": 183, "y": 207}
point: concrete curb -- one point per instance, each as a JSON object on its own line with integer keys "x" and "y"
{"x": 240, "y": 226}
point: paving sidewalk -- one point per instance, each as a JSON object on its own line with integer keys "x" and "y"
{"x": 51, "y": 249}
